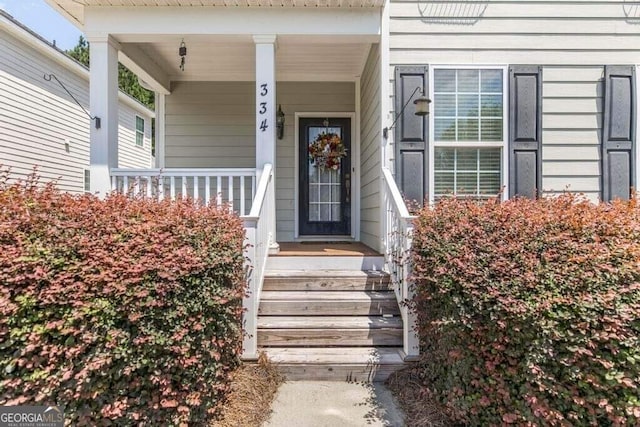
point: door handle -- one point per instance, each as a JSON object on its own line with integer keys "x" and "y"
{"x": 347, "y": 187}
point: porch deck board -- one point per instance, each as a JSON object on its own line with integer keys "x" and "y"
{"x": 325, "y": 249}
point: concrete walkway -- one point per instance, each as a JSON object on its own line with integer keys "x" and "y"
{"x": 334, "y": 404}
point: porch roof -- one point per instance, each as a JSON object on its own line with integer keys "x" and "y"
{"x": 74, "y": 9}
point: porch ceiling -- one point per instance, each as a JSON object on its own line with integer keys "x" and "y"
{"x": 74, "y": 9}
{"x": 232, "y": 58}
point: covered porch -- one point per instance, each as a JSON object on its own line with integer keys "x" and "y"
{"x": 220, "y": 139}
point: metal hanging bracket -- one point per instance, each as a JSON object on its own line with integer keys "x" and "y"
{"x": 96, "y": 119}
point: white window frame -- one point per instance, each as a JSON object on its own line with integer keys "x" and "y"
{"x": 144, "y": 129}
{"x": 504, "y": 144}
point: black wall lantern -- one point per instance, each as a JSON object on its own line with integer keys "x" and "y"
{"x": 182, "y": 51}
{"x": 422, "y": 109}
{"x": 280, "y": 122}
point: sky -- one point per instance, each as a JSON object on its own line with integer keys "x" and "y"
{"x": 42, "y": 19}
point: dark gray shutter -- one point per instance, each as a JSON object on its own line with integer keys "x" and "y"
{"x": 411, "y": 133}
{"x": 525, "y": 130}
{"x": 618, "y": 132}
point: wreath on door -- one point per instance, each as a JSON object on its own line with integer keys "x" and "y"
{"x": 327, "y": 151}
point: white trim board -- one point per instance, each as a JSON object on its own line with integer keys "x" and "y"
{"x": 355, "y": 175}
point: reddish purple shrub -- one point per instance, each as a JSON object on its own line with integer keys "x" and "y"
{"x": 124, "y": 311}
{"x": 529, "y": 311}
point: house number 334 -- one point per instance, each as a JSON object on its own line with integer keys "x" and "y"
{"x": 264, "y": 90}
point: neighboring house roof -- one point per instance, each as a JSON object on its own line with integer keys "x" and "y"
{"x": 9, "y": 24}
{"x": 74, "y": 9}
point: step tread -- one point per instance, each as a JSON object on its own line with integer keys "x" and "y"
{"x": 342, "y": 356}
{"x": 326, "y": 295}
{"x": 329, "y": 322}
{"x": 290, "y": 274}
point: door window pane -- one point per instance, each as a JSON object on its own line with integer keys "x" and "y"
{"x": 324, "y": 185}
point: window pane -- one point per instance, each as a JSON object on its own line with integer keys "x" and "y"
{"x": 467, "y": 183}
{"x": 444, "y": 105}
{"x": 444, "y": 183}
{"x": 444, "y": 159}
{"x": 467, "y": 159}
{"x": 139, "y": 124}
{"x": 490, "y": 159}
{"x": 444, "y": 80}
{"x": 468, "y": 81}
{"x": 489, "y": 184}
{"x": 491, "y": 105}
{"x": 491, "y": 130}
{"x": 468, "y": 129}
{"x": 467, "y": 105}
{"x": 445, "y": 129}
{"x": 492, "y": 81}
{"x": 336, "y": 214}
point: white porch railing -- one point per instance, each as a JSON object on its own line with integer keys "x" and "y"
{"x": 235, "y": 187}
{"x": 258, "y": 225}
{"x": 397, "y": 235}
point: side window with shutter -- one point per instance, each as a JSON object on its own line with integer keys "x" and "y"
{"x": 411, "y": 133}
{"x": 525, "y": 136}
{"x": 618, "y": 132}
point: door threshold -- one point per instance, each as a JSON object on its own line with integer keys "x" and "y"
{"x": 320, "y": 239}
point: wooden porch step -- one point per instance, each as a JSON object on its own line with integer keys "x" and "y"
{"x": 329, "y": 322}
{"x": 337, "y": 364}
{"x": 326, "y": 280}
{"x": 328, "y": 303}
{"x": 329, "y": 337}
{"x": 281, "y": 331}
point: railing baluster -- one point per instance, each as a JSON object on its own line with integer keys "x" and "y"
{"x": 149, "y": 184}
{"x": 207, "y": 190}
{"x": 160, "y": 188}
{"x": 242, "y": 212}
{"x": 125, "y": 184}
{"x": 230, "y": 178}
{"x": 219, "y": 191}
{"x": 172, "y": 188}
{"x": 184, "y": 187}
{"x": 136, "y": 186}
{"x": 114, "y": 183}
{"x": 195, "y": 188}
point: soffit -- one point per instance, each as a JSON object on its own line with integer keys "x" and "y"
{"x": 74, "y": 9}
{"x": 232, "y": 58}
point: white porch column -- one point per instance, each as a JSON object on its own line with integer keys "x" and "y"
{"x": 266, "y": 117}
{"x": 161, "y": 115}
{"x": 103, "y": 103}
{"x": 265, "y": 100}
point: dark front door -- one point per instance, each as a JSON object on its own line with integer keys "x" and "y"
{"x": 325, "y": 193}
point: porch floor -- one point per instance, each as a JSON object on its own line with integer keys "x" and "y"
{"x": 325, "y": 249}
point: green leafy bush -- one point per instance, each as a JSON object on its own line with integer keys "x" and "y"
{"x": 529, "y": 311}
{"x": 124, "y": 311}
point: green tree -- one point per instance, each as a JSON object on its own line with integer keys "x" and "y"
{"x": 127, "y": 81}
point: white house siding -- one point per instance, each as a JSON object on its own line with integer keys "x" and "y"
{"x": 38, "y": 118}
{"x": 571, "y": 129}
{"x": 572, "y": 40}
{"x": 212, "y": 124}
{"x": 370, "y": 150}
